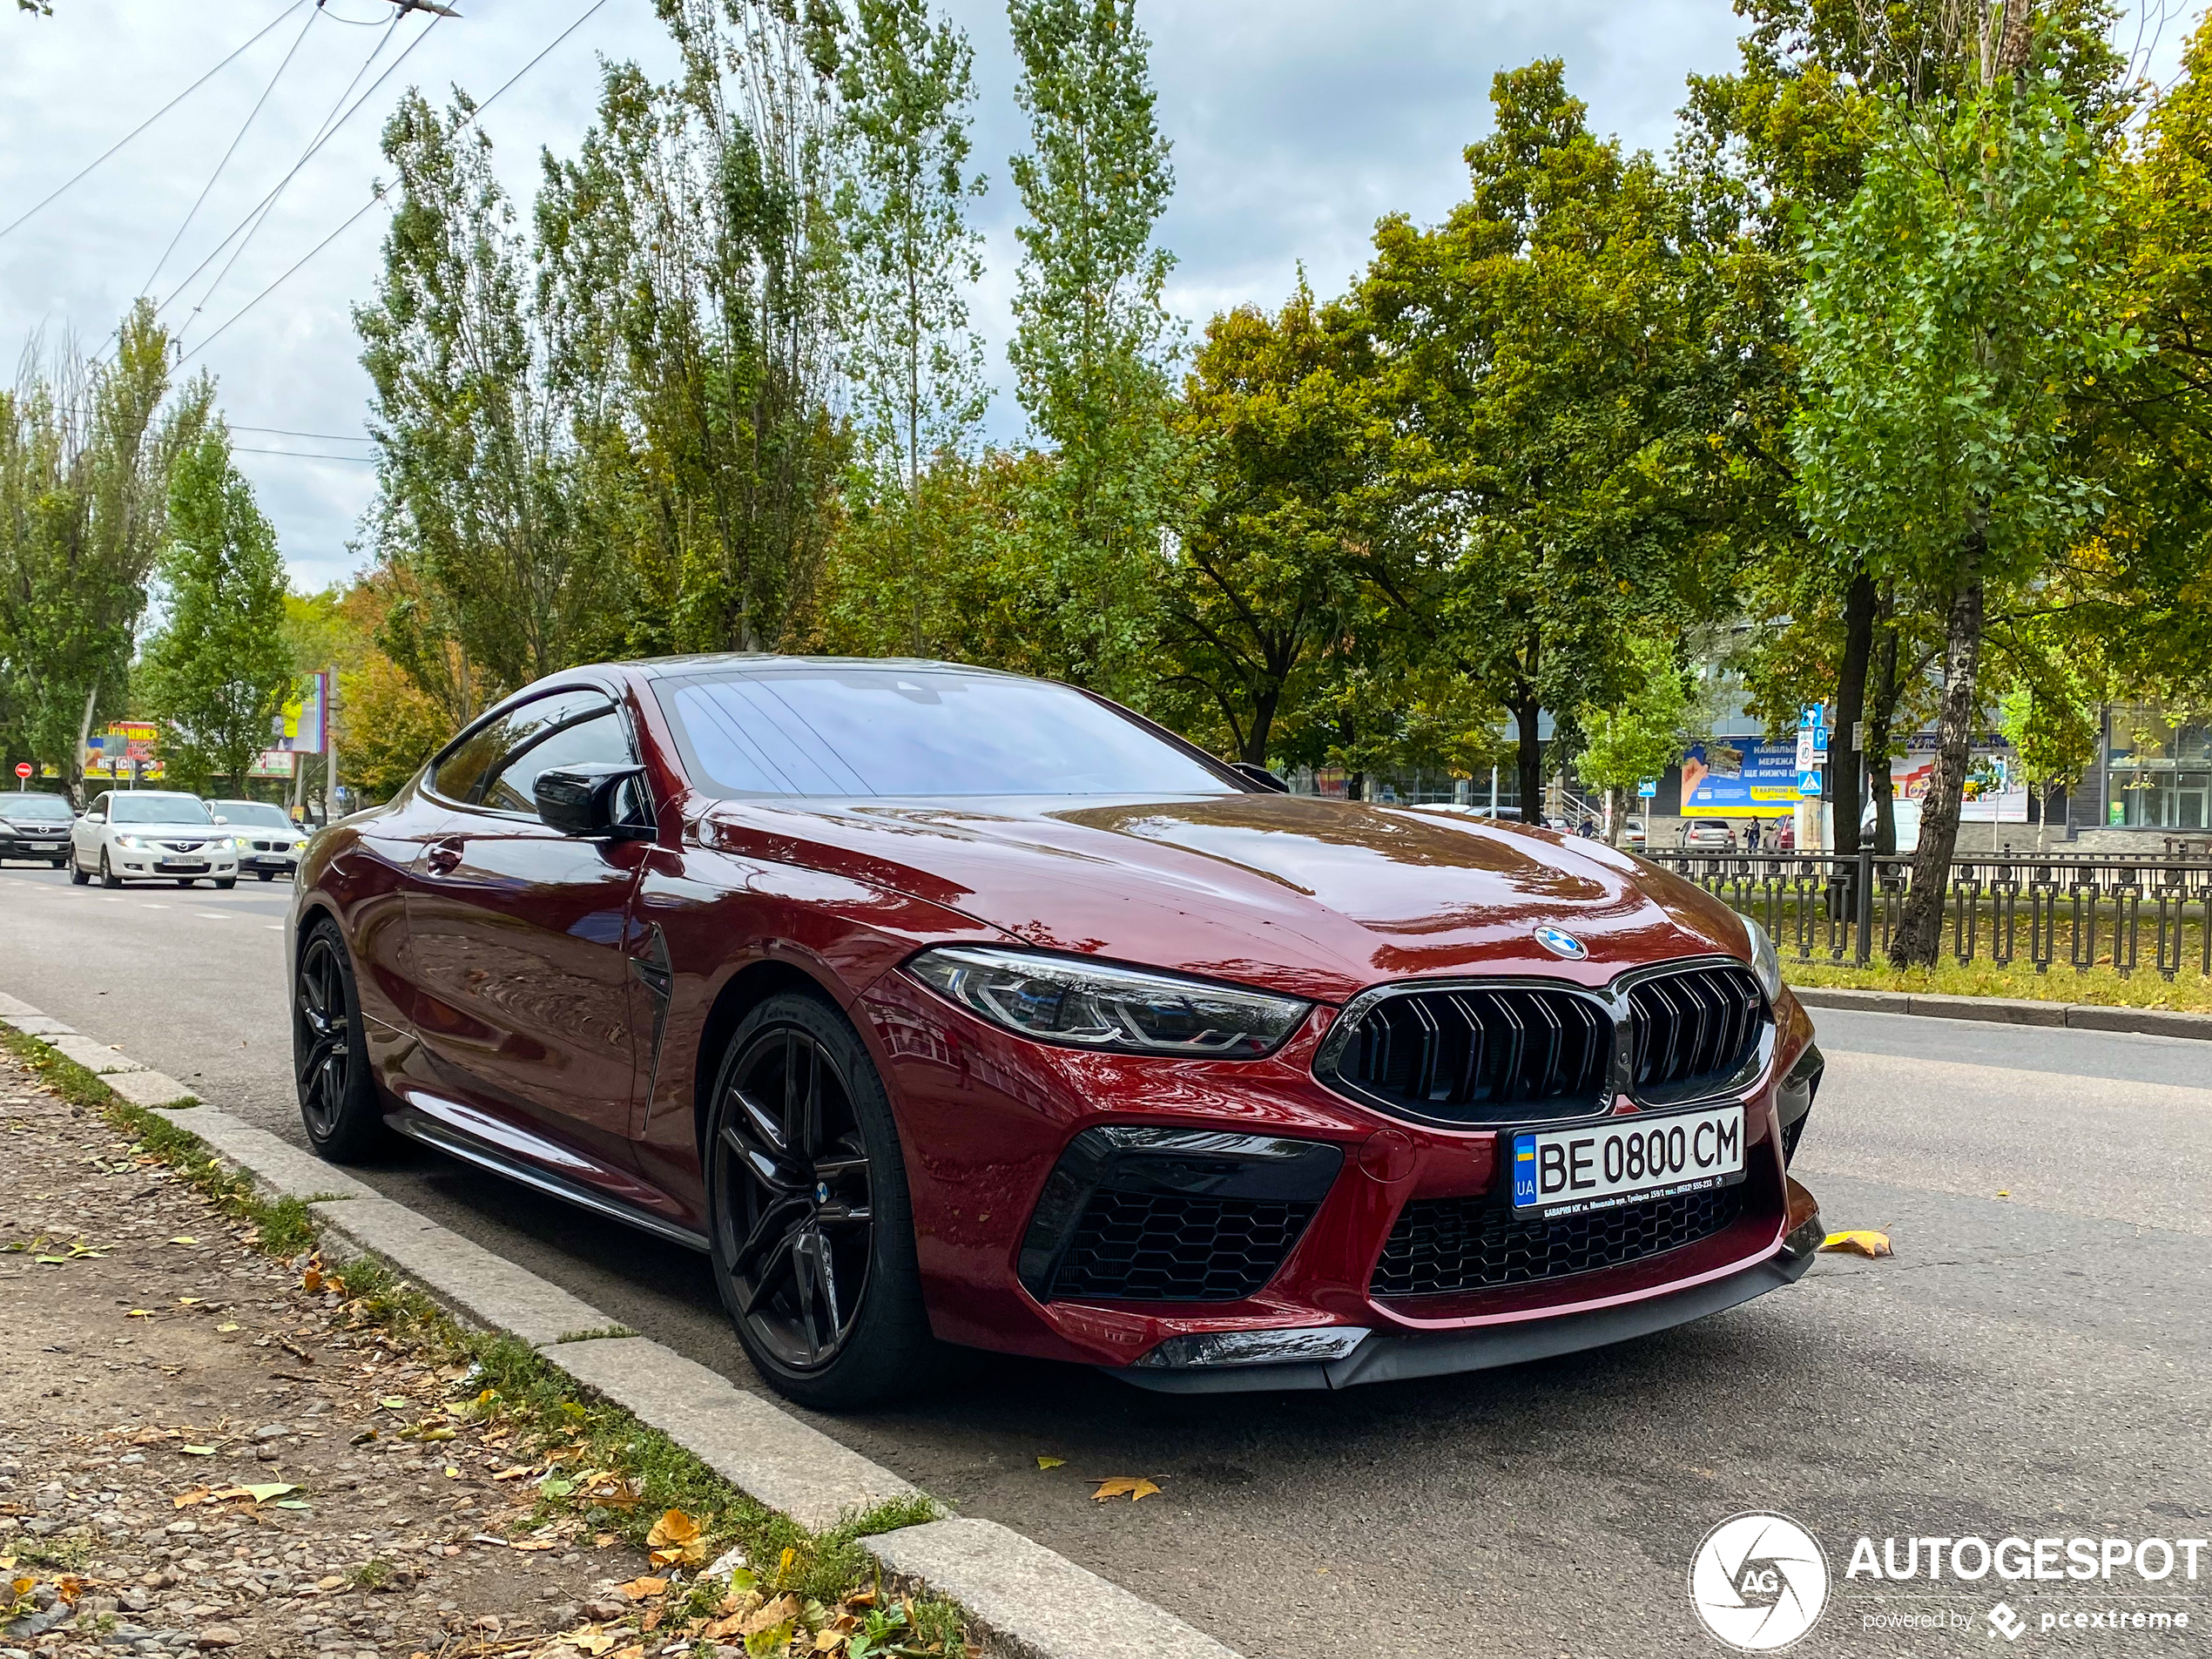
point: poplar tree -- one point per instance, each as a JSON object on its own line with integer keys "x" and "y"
{"x": 217, "y": 673}
{"x": 908, "y": 87}
{"x": 1092, "y": 338}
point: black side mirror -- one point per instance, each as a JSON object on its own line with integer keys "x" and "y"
{"x": 596, "y": 800}
{"x": 1259, "y": 775}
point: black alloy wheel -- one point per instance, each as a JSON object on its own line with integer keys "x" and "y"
{"x": 329, "y": 1052}
{"x": 812, "y": 1232}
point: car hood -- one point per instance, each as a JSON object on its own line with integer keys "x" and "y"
{"x": 176, "y": 832}
{"x": 1316, "y": 897}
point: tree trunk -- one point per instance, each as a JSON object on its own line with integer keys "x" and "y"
{"x": 1851, "y": 708}
{"x": 1529, "y": 761}
{"x": 1262, "y": 724}
{"x": 1919, "y": 941}
{"x": 1881, "y": 710}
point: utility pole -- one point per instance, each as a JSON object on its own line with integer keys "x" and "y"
{"x": 330, "y": 727}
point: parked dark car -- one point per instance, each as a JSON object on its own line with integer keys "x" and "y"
{"x": 35, "y": 826}
{"x": 944, "y": 1006}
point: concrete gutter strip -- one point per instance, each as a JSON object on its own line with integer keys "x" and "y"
{"x": 1031, "y": 1602}
{"x": 1025, "y": 1601}
{"x": 96, "y": 1057}
{"x": 786, "y": 1464}
{"x": 2080, "y": 1016}
{"x": 43, "y": 1027}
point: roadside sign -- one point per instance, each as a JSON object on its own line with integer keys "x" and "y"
{"x": 23, "y": 769}
{"x": 1809, "y": 785}
{"x": 1647, "y": 789}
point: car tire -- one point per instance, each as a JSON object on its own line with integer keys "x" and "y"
{"x": 263, "y": 875}
{"x": 78, "y": 876}
{"x": 224, "y": 884}
{"x": 338, "y": 1104}
{"x": 59, "y": 862}
{"x": 108, "y": 877}
{"x": 805, "y": 1198}
{"x": 182, "y": 883}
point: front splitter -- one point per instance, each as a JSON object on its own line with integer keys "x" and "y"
{"x": 1395, "y": 1358}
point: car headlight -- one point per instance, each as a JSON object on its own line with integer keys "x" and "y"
{"x": 134, "y": 842}
{"x": 1095, "y": 1005}
{"x": 1766, "y": 962}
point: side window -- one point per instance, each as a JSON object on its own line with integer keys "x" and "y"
{"x": 595, "y": 737}
{"x": 461, "y": 775}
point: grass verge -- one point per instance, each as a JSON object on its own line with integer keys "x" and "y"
{"x": 2190, "y": 993}
{"x": 644, "y": 1474}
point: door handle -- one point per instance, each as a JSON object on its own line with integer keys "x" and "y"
{"x": 443, "y": 858}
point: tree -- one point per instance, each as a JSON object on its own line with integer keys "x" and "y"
{"x": 1092, "y": 335}
{"x": 1532, "y": 350}
{"x": 472, "y": 481}
{"x": 916, "y": 366}
{"x": 1641, "y": 735}
{"x": 216, "y": 674}
{"x": 1277, "y": 421}
{"x": 85, "y": 451}
{"x": 1947, "y": 308}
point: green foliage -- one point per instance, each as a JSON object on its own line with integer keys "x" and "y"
{"x": 916, "y": 366}
{"x": 1091, "y": 335}
{"x": 1268, "y": 578}
{"x": 1533, "y": 348}
{"x": 85, "y": 456}
{"x": 1648, "y": 731}
{"x": 218, "y": 672}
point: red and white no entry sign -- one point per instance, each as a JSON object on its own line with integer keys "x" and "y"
{"x": 23, "y": 769}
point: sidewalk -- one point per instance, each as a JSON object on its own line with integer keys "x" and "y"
{"x": 208, "y": 1448}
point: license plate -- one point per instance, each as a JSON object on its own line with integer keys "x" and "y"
{"x": 1568, "y": 1171}
{"x": 181, "y": 866}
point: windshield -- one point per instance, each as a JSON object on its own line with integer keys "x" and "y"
{"x": 157, "y": 809}
{"x": 25, "y": 805}
{"x": 253, "y": 811}
{"x": 864, "y": 731}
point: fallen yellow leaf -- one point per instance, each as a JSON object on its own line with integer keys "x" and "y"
{"x": 1044, "y": 1462}
{"x": 1860, "y": 1242}
{"x": 676, "y": 1537}
{"x": 782, "y": 1611}
{"x": 139, "y": 1313}
{"x": 184, "y": 1238}
{"x": 229, "y": 1327}
{"x": 638, "y": 1588}
{"x": 1134, "y": 1487}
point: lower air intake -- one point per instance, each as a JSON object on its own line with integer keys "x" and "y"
{"x": 1442, "y": 1245}
{"x": 1170, "y": 1247}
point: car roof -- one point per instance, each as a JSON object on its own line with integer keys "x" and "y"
{"x": 740, "y": 662}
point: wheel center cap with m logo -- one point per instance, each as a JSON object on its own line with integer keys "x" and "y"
{"x": 1560, "y": 942}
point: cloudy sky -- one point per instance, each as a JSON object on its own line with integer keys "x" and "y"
{"x": 1295, "y": 125}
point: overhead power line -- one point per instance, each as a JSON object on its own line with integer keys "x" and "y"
{"x": 237, "y": 138}
{"x": 474, "y": 116}
{"x": 287, "y": 432}
{"x": 63, "y": 186}
{"x": 331, "y": 131}
{"x": 301, "y": 454}
{"x": 259, "y": 215}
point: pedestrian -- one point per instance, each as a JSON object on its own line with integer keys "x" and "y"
{"x": 1588, "y": 831}
{"x": 1751, "y": 836}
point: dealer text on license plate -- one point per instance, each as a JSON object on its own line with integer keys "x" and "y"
{"x": 1624, "y": 1159}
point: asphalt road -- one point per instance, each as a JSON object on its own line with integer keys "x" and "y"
{"x": 2034, "y": 1361}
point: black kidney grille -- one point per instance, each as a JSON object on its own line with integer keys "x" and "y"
{"x": 1441, "y": 1245}
{"x": 1474, "y": 1055}
{"x": 1175, "y": 1247}
{"x": 1693, "y": 1030}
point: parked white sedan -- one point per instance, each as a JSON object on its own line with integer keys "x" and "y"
{"x": 268, "y": 844}
{"x": 151, "y": 835}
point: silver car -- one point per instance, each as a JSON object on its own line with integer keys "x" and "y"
{"x": 151, "y": 835}
{"x": 35, "y": 826}
{"x": 268, "y": 842}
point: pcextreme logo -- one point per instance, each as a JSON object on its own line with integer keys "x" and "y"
{"x": 1758, "y": 1582}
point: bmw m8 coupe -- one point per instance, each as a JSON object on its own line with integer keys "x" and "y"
{"x": 945, "y": 1008}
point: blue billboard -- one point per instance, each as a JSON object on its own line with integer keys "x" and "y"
{"x": 1740, "y": 777}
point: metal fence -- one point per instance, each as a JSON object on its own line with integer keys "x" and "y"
{"x": 2083, "y": 911}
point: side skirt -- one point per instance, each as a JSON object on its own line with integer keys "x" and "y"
{"x": 420, "y": 1126}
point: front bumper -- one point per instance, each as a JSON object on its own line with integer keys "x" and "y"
{"x": 24, "y": 847}
{"x": 987, "y": 1121}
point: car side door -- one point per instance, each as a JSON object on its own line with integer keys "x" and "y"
{"x": 517, "y": 937}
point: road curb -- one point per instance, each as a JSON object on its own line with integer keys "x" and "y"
{"x": 2080, "y": 1016}
{"x": 1025, "y": 1601}
{"x": 1032, "y": 1602}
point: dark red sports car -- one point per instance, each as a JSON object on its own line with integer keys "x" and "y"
{"x": 945, "y": 1006}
